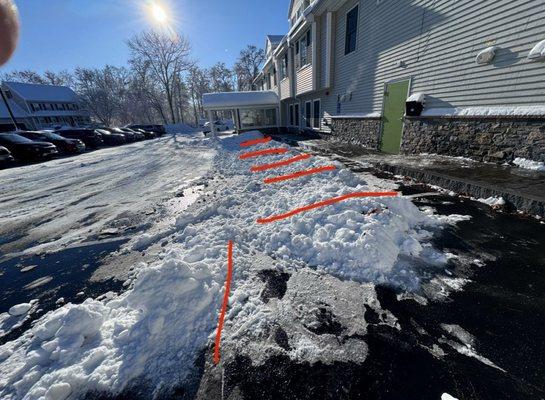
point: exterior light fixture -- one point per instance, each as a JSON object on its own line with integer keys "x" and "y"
{"x": 486, "y": 56}
{"x": 538, "y": 52}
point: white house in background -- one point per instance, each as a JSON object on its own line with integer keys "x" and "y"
{"x": 346, "y": 68}
{"x": 43, "y": 106}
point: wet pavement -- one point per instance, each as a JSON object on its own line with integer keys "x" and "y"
{"x": 523, "y": 189}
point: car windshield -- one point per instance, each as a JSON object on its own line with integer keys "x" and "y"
{"x": 102, "y": 132}
{"x": 14, "y": 138}
{"x": 51, "y": 135}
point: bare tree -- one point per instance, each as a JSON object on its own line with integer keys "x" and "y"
{"x": 164, "y": 57}
{"x": 62, "y": 78}
{"x": 197, "y": 84}
{"x": 24, "y": 76}
{"x": 247, "y": 67}
{"x": 221, "y": 78}
{"x": 103, "y": 91}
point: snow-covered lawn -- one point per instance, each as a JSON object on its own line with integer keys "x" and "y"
{"x": 152, "y": 333}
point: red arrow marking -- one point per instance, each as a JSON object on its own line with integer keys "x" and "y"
{"x": 256, "y": 141}
{"x": 267, "y": 152}
{"x": 300, "y": 174}
{"x": 323, "y": 204}
{"x": 265, "y": 167}
{"x": 225, "y": 301}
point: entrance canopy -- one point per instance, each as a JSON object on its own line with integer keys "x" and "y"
{"x": 233, "y": 100}
{"x": 250, "y": 110}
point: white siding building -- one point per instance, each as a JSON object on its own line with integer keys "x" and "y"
{"x": 346, "y": 68}
{"x": 43, "y": 106}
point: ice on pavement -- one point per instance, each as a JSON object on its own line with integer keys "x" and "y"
{"x": 152, "y": 333}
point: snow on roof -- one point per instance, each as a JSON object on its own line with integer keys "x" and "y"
{"x": 35, "y": 92}
{"x": 239, "y": 99}
{"x": 17, "y": 111}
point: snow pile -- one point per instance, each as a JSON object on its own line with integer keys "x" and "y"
{"x": 529, "y": 164}
{"x": 20, "y": 309}
{"x": 493, "y": 201}
{"x": 417, "y": 97}
{"x": 180, "y": 128}
{"x": 509, "y": 111}
{"x": 151, "y": 334}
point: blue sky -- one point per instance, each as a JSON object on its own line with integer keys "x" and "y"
{"x": 64, "y": 34}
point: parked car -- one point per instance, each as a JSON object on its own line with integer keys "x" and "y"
{"x": 64, "y": 145}
{"x": 25, "y": 149}
{"x": 129, "y": 136}
{"x": 111, "y": 139}
{"x": 159, "y": 130}
{"x": 147, "y": 134}
{"x": 5, "y": 156}
{"x": 91, "y": 138}
{"x": 219, "y": 126}
{"x": 139, "y": 135}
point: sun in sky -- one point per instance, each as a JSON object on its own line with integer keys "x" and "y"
{"x": 159, "y": 13}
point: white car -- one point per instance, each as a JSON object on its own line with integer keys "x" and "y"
{"x": 219, "y": 126}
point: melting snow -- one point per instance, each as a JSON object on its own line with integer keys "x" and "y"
{"x": 529, "y": 164}
{"x": 153, "y": 331}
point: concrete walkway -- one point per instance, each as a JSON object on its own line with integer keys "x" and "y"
{"x": 521, "y": 189}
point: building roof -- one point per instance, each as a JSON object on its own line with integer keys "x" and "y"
{"x": 17, "y": 111}
{"x": 42, "y": 93}
{"x": 275, "y": 39}
{"x": 230, "y": 100}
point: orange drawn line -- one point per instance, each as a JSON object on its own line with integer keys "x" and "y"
{"x": 325, "y": 203}
{"x": 266, "y": 152}
{"x": 225, "y": 301}
{"x": 249, "y": 143}
{"x": 265, "y": 167}
{"x": 300, "y": 174}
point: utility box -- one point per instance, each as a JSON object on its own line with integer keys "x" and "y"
{"x": 415, "y": 105}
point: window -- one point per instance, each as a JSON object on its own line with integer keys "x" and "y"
{"x": 351, "y": 30}
{"x": 274, "y": 76}
{"x": 257, "y": 118}
{"x": 316, "y": 114}
{"x": 308, "y": 113}
{"x": 291, "y": 115}
{"x": 296, "y": 114}
{"x": 304, "y": 45}
{"x": 297, "y": 60}
{"x": 284, "y": 67}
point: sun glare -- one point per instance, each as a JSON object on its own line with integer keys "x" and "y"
{"x": 159, "y": 13}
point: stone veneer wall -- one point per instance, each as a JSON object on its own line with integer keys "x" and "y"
{"x": 483, "y": 139}
{"x": 359, "y": 131}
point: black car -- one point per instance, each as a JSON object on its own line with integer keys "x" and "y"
{"x": 91, "y": 138}
{"x": 25, "y": 149}
{"x": 159, "y": 130}
{"x": 64, "y": 145}
{"x": 111, "y": 139}
{"x": 139, "y": 135}
{"x": 147, "y": 134}
{"x": 5, "y": 156}
{"x": 129, "y": 136}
